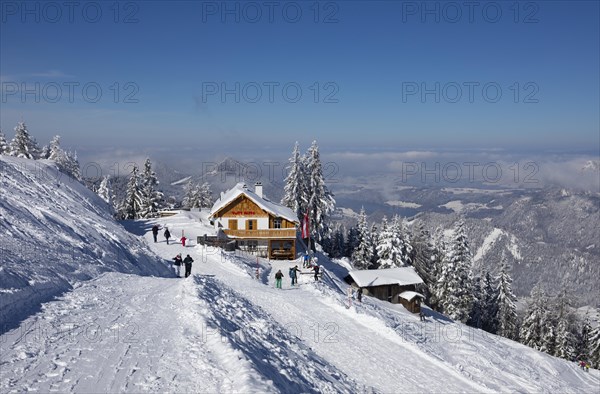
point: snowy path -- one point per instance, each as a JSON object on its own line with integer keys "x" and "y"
{"x": 121, "y": 333}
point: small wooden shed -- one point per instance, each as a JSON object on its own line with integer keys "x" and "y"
{"x": 395, "y": 285}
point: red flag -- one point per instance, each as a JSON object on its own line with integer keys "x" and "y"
{"x": 305, "y": 226}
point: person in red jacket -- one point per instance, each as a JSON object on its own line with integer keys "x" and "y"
{"x": 183, "y": 239}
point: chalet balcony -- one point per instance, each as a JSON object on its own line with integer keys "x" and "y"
{"x": 267, "y": 233}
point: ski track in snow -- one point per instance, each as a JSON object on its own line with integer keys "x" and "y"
{"x": 222, "y": 330}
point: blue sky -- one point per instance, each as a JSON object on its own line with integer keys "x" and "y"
{"x": 365, "y": 65}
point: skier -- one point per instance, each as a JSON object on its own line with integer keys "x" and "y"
{"x": 421, "y": 315}
{"x": 188, "y": 265}
{"x": 177, "y": 264}
{"x": 316, "y": 268}
{"x": 294, "y": 275}
{"x": 183, "y": 239}
{"x": 278, "y": 278}
{"x": 167, "y": 235}
{"x": 155, "y": 232}
{"x": 306, "y": 263}
{"x": 359, "y": 294}
{"x": 291, "y": 274}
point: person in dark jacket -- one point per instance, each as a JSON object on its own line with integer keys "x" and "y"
{"x": 278, "y": 279}
{"x": 294, "y": 275}
{"x": 359, "y": 294}
{"x": 316, "y": 268}
{"x": 177, "y": 264}
{"x": 188, "y": 265}
{"x": 155, "y": 232}
{"x": 167, "y": 235}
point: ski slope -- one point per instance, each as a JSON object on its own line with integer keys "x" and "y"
{"x": 225, "y": 330}
{"x": 55, "y": 233}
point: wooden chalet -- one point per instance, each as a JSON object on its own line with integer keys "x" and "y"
{"x": 258, "y": 225}
{"x": 396, "y": 285}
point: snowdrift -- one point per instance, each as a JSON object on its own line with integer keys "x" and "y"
{"x": 55, "y": 233}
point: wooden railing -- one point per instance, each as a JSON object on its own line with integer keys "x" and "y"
{"x": 270, "y": 233}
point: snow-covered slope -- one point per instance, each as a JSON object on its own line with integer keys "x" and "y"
{"x": 226, "y": 329}
{"x": 55, "y": 233}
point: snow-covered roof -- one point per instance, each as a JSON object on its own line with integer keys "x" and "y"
{"x": 265, "y": 204}
{"x": 409, "y": 295}
{"x": 402, "y": 276}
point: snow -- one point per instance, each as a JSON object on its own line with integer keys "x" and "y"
{"x": 181, "y": 181}
{"x": 487, "y": 244}
{"x": 273, "y": 208}
{"x": 401, "y": 276}
{"x": 410, "y": 295}
{"x": 403, "y": 204}
{"x": 225, "y": 329}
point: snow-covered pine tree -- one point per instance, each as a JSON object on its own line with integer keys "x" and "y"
{"x": 477, "y": 308}
{"x": 53, "y": 151}
{"x": 133, "y": 199}
{"x": 583, "y": 337}
{"x": 22, "y": 145}
{"x": 320, "y": 200}
{"x": 3, "y": 144}
{"x": 65, "y": 161}
{"x": 362, "y": 255}
{"x": 455, "y": 281}
{"x": 424, "y": 259}
{"x": 405, "y": 243}
{"x": 104, "y": 190}
{"x": 594, "y": 346}
{"x": 533, "y": 328}
{"x": 296, "y": 189}
{"x": 388, "y": 247}
{"x": 374, "y": 234}
{"x": 489, "y": 291}
{"x": 206, "y": 200}
{"x": 338, "y": 241}
{"x": 507, "y": 305}
{"x": 351, "y": 241}
{"x": 191, "y": 196}
{"x": 150, "y": 196}
{"x": 565, "y": 340}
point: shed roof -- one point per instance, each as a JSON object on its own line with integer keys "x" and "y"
{"x": 410, "y": 295}
{"x": 402, "y": 276}
{"x": 265, "y": 204}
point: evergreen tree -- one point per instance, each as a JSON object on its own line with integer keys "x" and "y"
{"x": 594, "y": 346}
{"x": 405, "y": 243}
{"x": 424, "y": 258}
{"x": 477, "y": 308}
{"x": 534, "y": 327}
{"x": 150, "y": 196}
{"x": 206, "y": 199}
{"x": 320, "y": 199}
{"x": 388, "y": 247}
{"x": 375, "y": 235}
{"x": 4, "y": 148}
{"x": 489, "y": 290}
{"x": 455, "y": 281}
{"x": 565, "y": 344}
{"x": 191, "y": 197}
{"x": 104, "y": 190}
{"x": 133, "y": 199}
{"x": 65, "y": 161}
{"x": 507, "y": 307}
{"x": 351, "y": 241}
{"x": 363, "y": 254}
{"x": 583, "y": 338}
{"x": 296, "y": 189}
{"x": 22, "y": 145}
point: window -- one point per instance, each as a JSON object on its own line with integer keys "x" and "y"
{"x": 277, "y": 223}
{"x": 233, "y": 224}
{"x": 251, "y": 225}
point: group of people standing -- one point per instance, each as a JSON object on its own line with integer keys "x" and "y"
{"x": 166, "y": 234}
{"x": 187, "y": 262}
{"x": 294, "y": 272}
